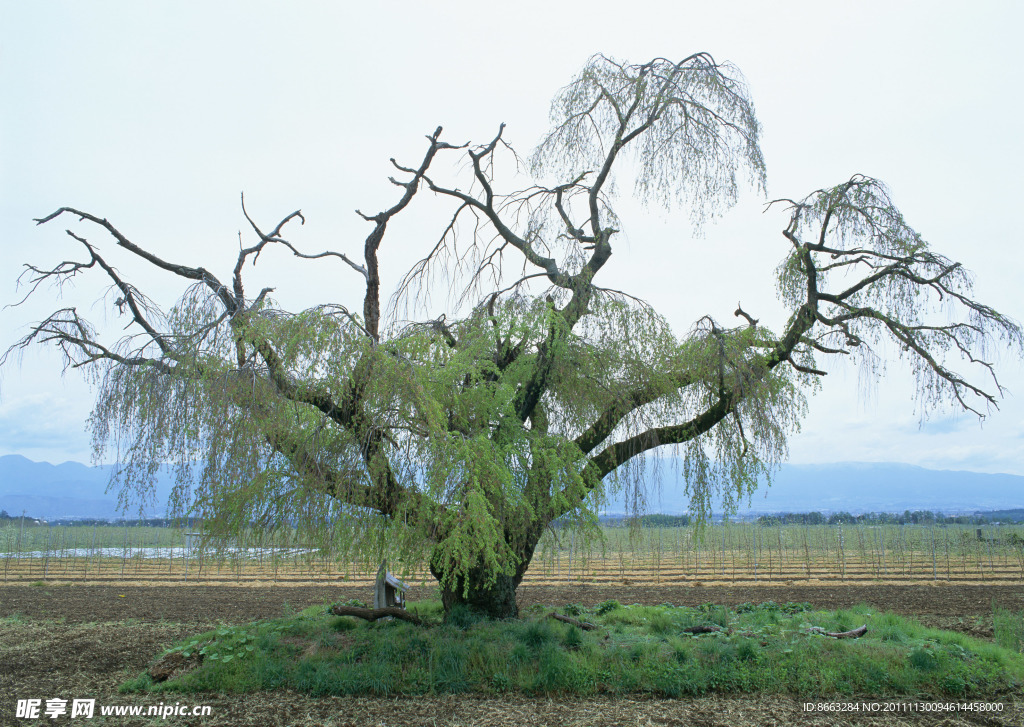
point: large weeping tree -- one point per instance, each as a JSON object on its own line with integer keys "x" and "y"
{"x": 452, "y": 440}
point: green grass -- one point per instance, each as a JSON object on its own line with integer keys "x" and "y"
{"x": 766, "y": 648}
{"x": 1009, "y": 628}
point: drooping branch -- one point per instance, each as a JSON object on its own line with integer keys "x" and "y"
{"x": 617, "y": 454}
{"x": 76, "y": 339}
{"x": 625, "y": 405}
{"x": 859, "y": 228}
{"x": 911, "y": 339}
{"x": 130, "y": 297}
{"x": 686, "y": 121}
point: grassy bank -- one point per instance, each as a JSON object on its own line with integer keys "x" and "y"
{"x": 767, "y": 648}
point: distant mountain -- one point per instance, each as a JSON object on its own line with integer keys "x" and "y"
{"x": 68, "y": 490}
{"x": 73, "y": 490}
{"x": 857, "y": 487}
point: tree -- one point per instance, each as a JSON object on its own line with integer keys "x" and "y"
{"x": 454, "y": 442}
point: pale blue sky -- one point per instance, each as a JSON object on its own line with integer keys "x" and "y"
{"x": 156, "y": 115}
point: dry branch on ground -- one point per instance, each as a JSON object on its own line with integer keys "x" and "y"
{"x": 585, "y": 625}
{"x": 372, "y": 614}
{"x": 852, "y": 634}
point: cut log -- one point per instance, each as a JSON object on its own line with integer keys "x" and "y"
{"x": 372, "y": 614}
{"x": 585, "y": 625}
{"x": 854, "y": 634}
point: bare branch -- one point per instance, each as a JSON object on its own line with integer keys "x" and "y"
{"x": 184, "y": 271}
{"x": 740, "y": 312}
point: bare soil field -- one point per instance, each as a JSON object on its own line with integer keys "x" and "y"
{"x": 75, "y": 641}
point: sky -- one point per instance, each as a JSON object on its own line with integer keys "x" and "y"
{"x": 158, "y": 115}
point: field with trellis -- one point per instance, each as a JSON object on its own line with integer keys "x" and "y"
{"x": 722, "y": 553}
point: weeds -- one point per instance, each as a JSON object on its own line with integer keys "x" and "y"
{"x": 1008, "y": 629}
{"x": 765, "y": 648}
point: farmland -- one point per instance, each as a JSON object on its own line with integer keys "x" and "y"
{"x": 738, "y": 553}
{"x": 70, "y": 640}
{"x": 83, "y": 609}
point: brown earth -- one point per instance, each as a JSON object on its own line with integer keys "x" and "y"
{"x": 238, "y": 604}
{"x": 72, "y": 642}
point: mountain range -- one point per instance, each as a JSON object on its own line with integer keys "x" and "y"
{"x": 74, "y": 490}
{"x": 857, "y": 487}
{"x": 69, "y": 490}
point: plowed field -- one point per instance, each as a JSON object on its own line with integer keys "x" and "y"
{"x": 78, "y": 641}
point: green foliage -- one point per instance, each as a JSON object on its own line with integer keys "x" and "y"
{"x": 463, "y": 617}
{"x": 573, "y": 638}
{"x": 536, "y": 634}
{"x": 660, "y": 622}
{"x": 893, "y": 629}
{"x": 924, "y": 659}
{"x": 716, "y": 614}
{"x": 1008, "y": 628}
{"x": 647, "y": 652}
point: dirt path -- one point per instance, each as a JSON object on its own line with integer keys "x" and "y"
{"x": 72, "y": 642}
{"x": 236, "y": 604}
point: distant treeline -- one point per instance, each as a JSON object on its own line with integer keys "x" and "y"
{"x": 1016, "y": 515}
{"x": 916, "y": 517}
{"x": 908, "y": 517}
{"x": 649, "y": 521}
{"x": 656, "y": 520}
{"x": 652, "y": 520}
{"x": 152, "y": 522}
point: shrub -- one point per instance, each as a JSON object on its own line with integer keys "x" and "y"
{"x": 536, "y": 633}
{"x": 463, "y": 617}
{"x": 573, "y": 638}
{"x": 924, "y": 659}
{"x": 1008, "y": 629}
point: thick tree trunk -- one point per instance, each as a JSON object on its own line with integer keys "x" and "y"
{"x": 495, "y": 600}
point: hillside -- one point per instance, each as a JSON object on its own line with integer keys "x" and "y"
{"x": 856, "y": 487}
{"x": 68, "y": 490}
{"x": 73, "y": 490}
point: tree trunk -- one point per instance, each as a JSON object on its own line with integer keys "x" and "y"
{"x": 496, "y": 600}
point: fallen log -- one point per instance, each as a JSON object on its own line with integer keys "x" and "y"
{"x": 854, "y": 634}
{"x": 585, "y": 625}
{"x": 372, "y": 614}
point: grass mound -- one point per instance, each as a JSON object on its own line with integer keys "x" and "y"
{"x": 659, "y": 650}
